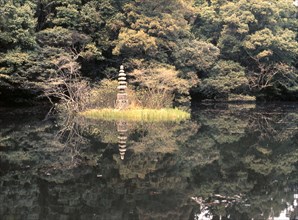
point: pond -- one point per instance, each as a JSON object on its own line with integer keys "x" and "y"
{"x": 227, "y": 162}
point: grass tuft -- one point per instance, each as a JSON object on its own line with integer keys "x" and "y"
{"x": 137, "y": 114}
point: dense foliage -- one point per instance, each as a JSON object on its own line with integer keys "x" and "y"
{"x": 212, "y": 49}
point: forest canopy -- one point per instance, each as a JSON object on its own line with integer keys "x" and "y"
{"x": 216, "y": 48}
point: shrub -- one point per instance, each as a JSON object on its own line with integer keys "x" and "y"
{"x": 104, "y": 94}
{"x": 68, "y": 86}
{"x": 159, "y": 84}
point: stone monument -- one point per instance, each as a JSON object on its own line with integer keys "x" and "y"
{"x": 122, "y": 98}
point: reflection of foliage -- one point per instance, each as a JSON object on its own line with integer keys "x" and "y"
{"x": 236, "y": 166}
{"x": 225, "y": 126}
{"x": 162, "y": 137}
{"x": 274, "y": 124}
{"x": 259, "y": 151}
{"x": 59, "y": 144}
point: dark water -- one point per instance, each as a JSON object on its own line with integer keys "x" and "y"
{"x": 227, "y": 162}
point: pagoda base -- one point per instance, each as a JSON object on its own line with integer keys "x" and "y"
{"x": 122, "y": 101}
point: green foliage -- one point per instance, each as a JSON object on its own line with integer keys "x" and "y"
{"x": 190, "y": 36}
{"x": 17, "y": 25}
{"x": 164, "y": 27}
{"x": 67, "y": 16}
{"x": 195, "y": 55}
{"x": 256, "y": 34}
{"x": 135, "y": 43}
{"x": 225, "y": 78}
{"x": 60, "y": 37}
{"x": 91, "y": 18}
{"x": 268, "y": 47}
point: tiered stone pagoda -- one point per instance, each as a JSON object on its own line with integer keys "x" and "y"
{"x": 122, "y": 99}
{"x": 122, "y": 103}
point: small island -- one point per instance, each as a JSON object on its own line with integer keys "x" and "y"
{"x": 125, "y": 111}
{"x": 165, "y": 114}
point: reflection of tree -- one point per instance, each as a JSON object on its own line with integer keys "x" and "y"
{"x": 22, "y": 135}
{"x": 274, "y": 124}
{"x": 213, "y": 159}
{"x": 225, "y": 126}
{"x": 58, "y": 142}
{"x": 264, "y": 153}
{"x": 148, "y": 143}
{"x": 162, "y": 137}
{"x": 222, "y": 157}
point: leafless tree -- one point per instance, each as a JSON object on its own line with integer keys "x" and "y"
{"x": 68, "y": 86}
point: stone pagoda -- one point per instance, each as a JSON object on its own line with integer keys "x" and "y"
{"x": 122, "y": 98}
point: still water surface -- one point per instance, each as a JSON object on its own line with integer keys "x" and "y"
{"x": 228, "y": 162}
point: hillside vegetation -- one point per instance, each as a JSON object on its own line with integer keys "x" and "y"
{"x": 209, "y": 49}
